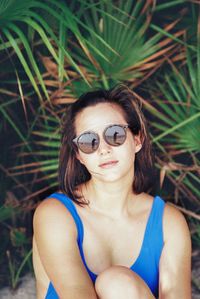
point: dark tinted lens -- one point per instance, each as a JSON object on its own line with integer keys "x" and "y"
{"x": 88, "y": 142}
{"x": 115, "y": 135}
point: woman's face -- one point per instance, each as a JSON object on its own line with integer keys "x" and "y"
{"x": 119, "y": 159}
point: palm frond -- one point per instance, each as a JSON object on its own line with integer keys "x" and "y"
{"x": 28, "y": 16}
{"x": 124, "y": 26}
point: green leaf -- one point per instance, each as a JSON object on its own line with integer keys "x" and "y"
{"x": 22, "y": 60}
{"x": 6, "y": 212}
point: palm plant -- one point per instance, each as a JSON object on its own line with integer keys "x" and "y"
{"x": 176, "y": 111}
{"x": 125, "y": 29}
{"x": 25, "y": 25}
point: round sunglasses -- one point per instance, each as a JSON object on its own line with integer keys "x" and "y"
{"x": 88, "y": 142}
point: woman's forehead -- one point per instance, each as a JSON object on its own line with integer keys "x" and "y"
{"x": 99, "y": 115}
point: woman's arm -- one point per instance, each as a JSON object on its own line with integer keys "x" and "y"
{"x": 175, "y": 263}
{"x": 56, "y": 238}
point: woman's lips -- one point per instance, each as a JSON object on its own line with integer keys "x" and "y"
{"x": 108, "y": 164}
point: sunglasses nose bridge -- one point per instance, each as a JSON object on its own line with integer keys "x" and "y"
{"x": 103, "y": 145}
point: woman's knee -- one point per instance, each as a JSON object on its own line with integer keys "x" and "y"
{"x": 121, "y": 282}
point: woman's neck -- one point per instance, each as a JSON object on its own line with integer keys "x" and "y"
{"x": 112, "y": 199}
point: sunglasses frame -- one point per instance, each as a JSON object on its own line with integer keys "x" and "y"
{"x": 75, "y": 140}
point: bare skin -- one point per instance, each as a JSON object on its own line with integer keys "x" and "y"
{"x": 131, "y": 285}
{"x": 115, "y": 214}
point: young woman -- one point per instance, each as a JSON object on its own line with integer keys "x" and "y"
{"x": 102, "y": 235}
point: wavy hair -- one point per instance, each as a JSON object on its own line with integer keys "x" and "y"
{"x": 72, "y": 173}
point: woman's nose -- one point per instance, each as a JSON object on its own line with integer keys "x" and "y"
{"x": 104, "y": 147}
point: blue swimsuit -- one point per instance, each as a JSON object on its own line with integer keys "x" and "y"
{"x": 147, "y": 263}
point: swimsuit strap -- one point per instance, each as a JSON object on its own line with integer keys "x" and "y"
{"x": 154, "y": 229}
{"x": 68, "y": 203}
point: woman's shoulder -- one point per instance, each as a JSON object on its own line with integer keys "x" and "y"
{"x": 173, "y": 214}
{"x": 173, "y": 219}
{"x": 50, "y": 205}
{"x": 174, "y": 223}
{"x": 51, "y": 214}
{"x": 54, "y": 203}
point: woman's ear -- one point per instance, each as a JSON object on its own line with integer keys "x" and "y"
{"x": 138, "y": 143}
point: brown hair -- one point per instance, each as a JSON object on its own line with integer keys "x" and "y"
{"x": 71, "y": 172}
